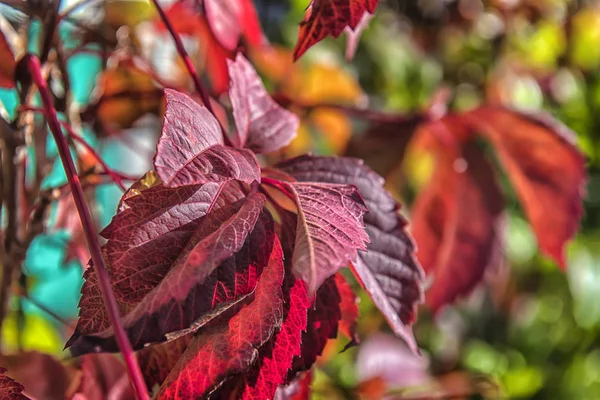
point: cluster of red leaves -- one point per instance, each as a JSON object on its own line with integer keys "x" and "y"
{"x": 228, "y": 272}
{"x": 458, "y": 217}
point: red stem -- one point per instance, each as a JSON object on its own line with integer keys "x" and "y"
{"x": 115, "y": 177}
{"x": 190, "y": 67}
{"x": 133, "y": 369}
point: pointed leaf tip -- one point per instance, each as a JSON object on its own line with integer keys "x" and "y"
{"x": 262, "y": 125}
{"x": 190, "y": 149}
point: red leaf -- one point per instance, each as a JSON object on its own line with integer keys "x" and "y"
{"x": 388, "y": 270}
{"x": 230, "y": 348}
{"x": 323, "y": 320}
{"x": 42, "y": 375}
{"x": 190, "y": 289}
{"x": 229, "y": 19}
{"x": 330, "y": 17}
{"x": 7, "y": 67}
{"x": 457, "y": 223}
{"x": 275, "y": 357}
{"x": 9, "y": 389}
{"x": 147, "y": 237}
{"x": 157, "y": 361}
{"x": 329, "y": 230}
{"x": 348, "y": 306}
{"x": 191, "y": 151}
{"x": 104, "y": 377}
{"x": 262, "y": 125}
{"x": 545, "y": 167}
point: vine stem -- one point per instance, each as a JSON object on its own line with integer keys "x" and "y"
{"x": 190, "y": 67}
{"x": 133, "y": 369}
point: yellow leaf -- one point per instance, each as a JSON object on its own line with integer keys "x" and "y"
{"x": 324, "y": 84}
{"x": 129, "y": 13}
{"x": 334, "y": 126}
{"x": 38, "y": 334}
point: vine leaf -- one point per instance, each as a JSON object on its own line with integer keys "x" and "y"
{"x": 329, "y": 230}
{"x": 191, "y": 150}
{"x": 204, "y": 275}
{"x": 458, "y": 221}
{"x": 540, "y": 158}
{"x": 330, "y": 17}
{"x": 545, "y": 167}
{"x": 9, "y": 389}
{"x": 103, "y": 377}
{"x": 388, "y": 270}
{"x": 231, "y": 347}
{"x": 276, "y": 356}
{"x": 323, "y": 322}
{"x": 262, "y": 125}
{"x": 144, "y": 240}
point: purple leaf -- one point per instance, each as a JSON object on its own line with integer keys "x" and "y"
{"x": 191, "y": 150}
{"x": 329, "y": 230}
{"x": 388, "y": 270}
{"x": 262, "y": 125}
{"x": 386, "y": 357}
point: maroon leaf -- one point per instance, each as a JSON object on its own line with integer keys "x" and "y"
{"x": 104, "y": 377}
{"x": 323, "y": 321}
{"x": 9, "y": 389}
{"x": 388, "y": 270}
{"x": 330, "y": 17}
{"x": 7, "y": 67}
{"x": 262, "y": 125}
{"x": 230, "y": 348}
{"x": 545, "y": 167}
{"x": 329, "y": 230}
{"x": 190, "y": 289}
{"x": 43, "y": 376}
{"x": 191, "y": 151}
{"x": 143, "y": 242}
{"x": 157, "y": 361}
{"x": 457, "y": 222}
